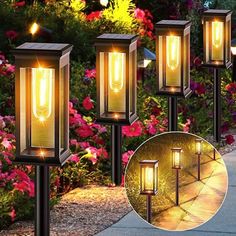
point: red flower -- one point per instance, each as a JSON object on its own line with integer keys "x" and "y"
{"x": 229, "y": 139}
{"x": 197, "y": 61}
{"x": 152, "y": 129}
{"x": 87, "y": 103}
{"x": 133, "y": 130}
{"x": 90, "y": 73}
{"x": 19, "y": 4}
{"x": 187, "y": 125}
{"x": 139, "y": 14}
{"x": 11, "y": 34}
{"x": 12, "y": 214}
{"x": 231, "y": 88}
{"x": 102, "y": 152}
{"x": 95, "y": 15}
{"x": 84, "y": 131}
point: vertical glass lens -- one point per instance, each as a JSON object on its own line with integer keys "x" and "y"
{"x": 148, "y": 178}
{"x": 42, "y": 93}
{"x": 217, "y": 40}
{"x": 173, "y": 59}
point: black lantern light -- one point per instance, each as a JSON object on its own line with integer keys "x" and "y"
{"x": 148, "y": 182}
{"x": 173, "y": 57}
{"x": 217, "y": 54}
{"x": 116, "y": 76}
{"x": 176, "y": 164}
{"x": 116, "y": 66}
{"x": 198, "y": 152}
{"x": 173, "y": 64}
{"x": 217, "y": 38}
{"x": 42, "y": 116}
{"x": 42, "y": 97}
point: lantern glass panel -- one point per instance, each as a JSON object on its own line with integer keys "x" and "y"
{"x": 186, "y": 59}
{"x": 173, "y": 61}
{"x": 37, "y": 96}
{"x": 116, "y": 82}
{"x": 217, "y": 44}
{"x": 176, "y": 158}
{"x": 63, "y": 83}
{"x": 160, "y": 49}
{"x": 132, "y": 80}
{"x": 198, "y": 146}
{"x": 42, "y": 107}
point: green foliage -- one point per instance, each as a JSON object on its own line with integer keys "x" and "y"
{"x": 120, "y": 12}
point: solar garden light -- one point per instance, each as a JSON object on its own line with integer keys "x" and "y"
{"x": 198, "y": 152}
{"x": 42, "y": 126}
{"x": 233, "y": 51}
{"x": 176, "y": 164}
{"x": 145, "y": 57}
{"x": 149, "y": 182}
{"x": 217, "y": 54}
{"x": 37, "y": 29}
{"x": 116, "y": 66}
{"x": 173, "y": 64}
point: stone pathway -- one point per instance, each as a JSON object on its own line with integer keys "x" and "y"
{"x": 194, "y": 206}
{"x": 222, "y": 224}
{"x": 81, "y": 212}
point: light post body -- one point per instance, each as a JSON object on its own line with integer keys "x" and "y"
{"x": 214, "y": 154}
{"x": 149, "y": 182}
{"x": 42, "y": 116}
{"x": 176, "y": 164}
{"x": 173, "y": 64}
{"x": 198, "y": 152}
{"x": 116, "y": 77}
{"x": 217, "y": 54}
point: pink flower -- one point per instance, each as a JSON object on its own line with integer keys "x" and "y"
{"x": 229, "y": 139}
{"x": 84, "y": 131}
{"x": 90, "y": 73}
{"x": 95, "y": 15}
{"x": 88, "y": 103}
{"x": 73, "y": 142}
{"x": 74, "y": 158}
{"x": 91, "y": 154}
{"x": 77, "y": 119}
{"x": 11, "y": 34}
{"x": 84, "y": 144}
{"x": 133, "y": 130}
{"x": 151, "y": 129}
{"x": 12, "y": 214}
{"x": 7, "y": 144}
{"x": 102, "y": 152}
{"x": 139, "y": 14}
{"x": 126, "y": 156}
{"x": 187, "y": 125}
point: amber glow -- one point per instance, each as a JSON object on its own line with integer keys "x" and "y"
{"x": 177, "y": 158}
{"x": 34, "y": 28}
{"x": 42, "y": 80}
{"x": 116, "y": 71}
{"x": 148, "y": 178}
{"x": 42, "y": 153}
{"x": 198, "y": 146}
{"x": 233, "y": 50}
{"x": 172, "y": 54}
{"x": 217, "y": 33}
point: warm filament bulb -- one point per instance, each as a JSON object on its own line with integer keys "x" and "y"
{"x": 173, "y": 48}
{"x": 116, "y": 71}
{"x": 217, "y": 33}
{"x": 42, "y": 93}
{"x": 149, "y": 177}
{"x": 198, "y": 147}
{"x": 177, "y": 158}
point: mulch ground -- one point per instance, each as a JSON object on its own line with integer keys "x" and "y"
{"x": 83, "y": 211}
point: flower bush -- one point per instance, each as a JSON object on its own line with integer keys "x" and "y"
{"x": 90, "y": 161}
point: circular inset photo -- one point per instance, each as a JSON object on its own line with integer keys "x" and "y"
{"x": 176, "y": 181}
